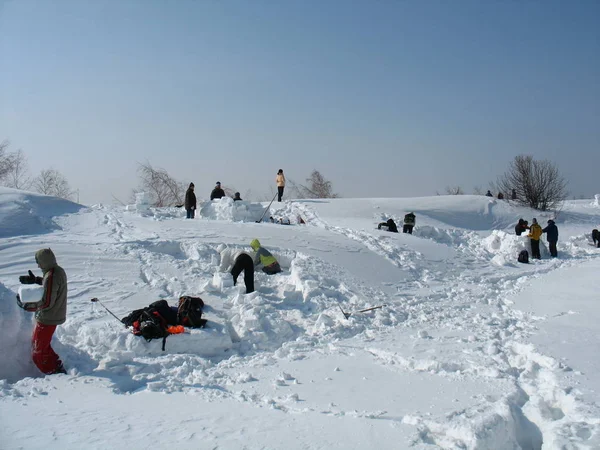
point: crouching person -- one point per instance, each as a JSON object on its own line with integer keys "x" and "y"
{"x": 50, "y": 310}
{"x": 236, "y": 261}
{"x": 265, "y": 258}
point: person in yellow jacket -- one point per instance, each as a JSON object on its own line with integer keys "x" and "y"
{"x": 280, "y": 180}
{"x": 265, "y": 258}
{"x": 535, "y": 233}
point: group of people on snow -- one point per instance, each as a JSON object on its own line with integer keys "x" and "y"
{"x": 535, "y": 233}
{"x": 190, "y": 203}
{"x": 513, "y": 195}
{"x": 409, "y": 223}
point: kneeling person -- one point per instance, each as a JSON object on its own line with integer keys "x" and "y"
{"x": 265, "y": 258}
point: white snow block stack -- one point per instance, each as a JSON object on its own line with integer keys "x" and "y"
{"x": 597, "y": 201}
{"x": 141, "y": 205}
{"x": 226, "y": 209}
{"x": 222, "y": 280}
{"x": 31, "y": 293}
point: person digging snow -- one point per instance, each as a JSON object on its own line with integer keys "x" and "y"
{"x": 236, "y": 261}
{"x": 265, "y": 258}
{"x": 50, "y": 310}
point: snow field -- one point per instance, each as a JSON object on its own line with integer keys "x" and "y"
{"x": 448, "y": 363}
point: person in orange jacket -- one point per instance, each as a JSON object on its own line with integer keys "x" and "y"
{"x": 535, "y": 233}
{"x": 280, "y": 180}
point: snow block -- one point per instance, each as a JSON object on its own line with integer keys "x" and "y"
{"x": 226, "y": 209}
{"x": 31, "y": 293}
{"x": 222, "y": 280}
{"x": 207, "y": 342}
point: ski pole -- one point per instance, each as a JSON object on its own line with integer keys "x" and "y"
{"x": 95, "y": 300}
{"x": 265, "y": 211}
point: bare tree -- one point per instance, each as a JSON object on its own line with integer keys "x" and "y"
{"x": 52, "y": 182}
{"x": 161, "y": 187}
{"x": 318, "y": 187}
{"x": 454, "y": 190}
{"x": 6, "y": 159}
{"x": 18, "y": 175}
{"x": 537, "y": 183}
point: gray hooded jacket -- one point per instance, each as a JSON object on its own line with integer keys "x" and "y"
{"x": 52, "y": 308}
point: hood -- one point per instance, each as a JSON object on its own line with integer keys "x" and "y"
{"x": 551, "y": 222}
{"x": 45, "y": 259}
{"x": 255, "y": 244}
{"x": 390, "y": 221}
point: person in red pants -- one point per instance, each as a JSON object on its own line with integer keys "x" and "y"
{"x": 50, "y": 310}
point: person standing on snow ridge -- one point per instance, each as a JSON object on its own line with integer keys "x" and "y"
{"x": 280, "y": 180}
{"x": 409, "y": 223}
{"x": 236, "y": 261}
{"x": 535, "y": 232}
{"x": 190, "y": 202}
{"x": 552, "y": 237}
{"x": 489, "y": 194}
{"x": 50, "y": 310}
{"x": 217, "y": 192}
{"x": 265, "y": 258}
{"x": 236, "y": 197}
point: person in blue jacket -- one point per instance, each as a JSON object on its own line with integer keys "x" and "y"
{"x": 552, "y": 236}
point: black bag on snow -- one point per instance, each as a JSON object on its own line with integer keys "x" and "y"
{"x": 523, "y": 257}
{"x": 152, "y": 322}
{"x": 189, "y": 312}
{"x": 160, "y": 306}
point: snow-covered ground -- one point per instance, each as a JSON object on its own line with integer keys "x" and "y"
{"x": 472, "y": 350}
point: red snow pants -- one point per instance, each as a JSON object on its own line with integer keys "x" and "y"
{"x": 41, "y": 351}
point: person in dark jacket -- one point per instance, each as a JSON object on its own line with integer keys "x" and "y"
{"x": 489, "y": 194}
{"x": 500, "y": 196}
{"x": 596, "y": 237}
{"x": 236, "y": 197}
{"x": 552, "y": 236}
{"x": 390, "y": 225}
{"x": 217, "y": 192}
{"x": 520, "y": 227}
{"x": 50, "y": 310}
{"x": 409, "y": 223}
{"x": 190, "y": 202}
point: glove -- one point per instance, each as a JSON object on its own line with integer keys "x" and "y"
{"x": 28, "y": 279}
{"x": 379, "y": 227}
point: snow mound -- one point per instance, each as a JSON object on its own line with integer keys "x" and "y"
{"x": 16, "y": 327}
{"x": 25, "y": 213}
{"x": 226, "y": 209}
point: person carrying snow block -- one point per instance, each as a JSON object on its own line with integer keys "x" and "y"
{"x": 409, "y": 223}
{"x": 552, "y": 237}
{"x": 50, "y": 310}
{"x": 280, "y": 180}
{"x": 217, "y": 192}
{"x": 236, "y": 261}
{"x": 535, "y": 232}
{"x": 265, "y": 258}
{"x": 520, "y": 227}
{"x": 190, "y": 202}
{"x": 389, "y": 224}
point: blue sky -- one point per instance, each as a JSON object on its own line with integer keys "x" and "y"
{"x": 386, "y": 98}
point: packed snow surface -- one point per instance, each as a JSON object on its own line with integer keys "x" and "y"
{"x": 466, "y": 348}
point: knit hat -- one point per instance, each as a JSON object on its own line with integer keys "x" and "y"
{"x": 218, "y": 183}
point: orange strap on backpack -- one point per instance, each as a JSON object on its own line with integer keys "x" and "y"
{"x": 176, "y": 329}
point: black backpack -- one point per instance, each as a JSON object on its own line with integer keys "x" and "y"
{"x": 151, "y": 325}
{"x": 523, "y": 257}
{"x": 189, "y": 312}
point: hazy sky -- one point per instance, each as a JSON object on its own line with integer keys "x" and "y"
{"x": 385, "y": 97}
